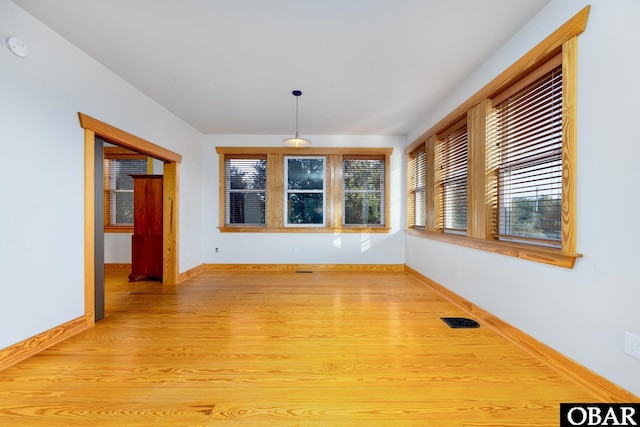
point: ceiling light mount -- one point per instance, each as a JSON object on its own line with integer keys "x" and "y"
{"x": 296, "y": 142}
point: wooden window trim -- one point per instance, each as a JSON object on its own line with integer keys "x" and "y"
{"x": 275, "y": 188}
{"x": 562, "y": 43}
{"x": 334, "y": 230}
{"x": 517, "y": 250}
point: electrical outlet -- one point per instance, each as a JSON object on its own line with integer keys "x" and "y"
{"x": 632, "y": 345}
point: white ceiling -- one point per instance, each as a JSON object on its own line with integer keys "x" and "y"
{"x": 229, "y": 66}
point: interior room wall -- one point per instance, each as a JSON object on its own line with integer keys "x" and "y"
{"x": 302, "y": 248}
{"x": 582, "y": 312}
{"x": 42, "y": 191}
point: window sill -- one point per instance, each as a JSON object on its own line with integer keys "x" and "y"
{"x": 334, "y": 230}
{"x": 118, "y": 229}
{"x": 528, "y": 252}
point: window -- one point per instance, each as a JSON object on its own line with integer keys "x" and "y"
{"x": 452, "y": 177}
{"x": 245, "y": 186}
{"x": 529, "y": 130}
{"x": 119, "y": 165}
{"x": 305, "y": 189}
{"x": 417, "y": 189}
{"x": 362, "y": 191}
{"x": 500, "y": 169}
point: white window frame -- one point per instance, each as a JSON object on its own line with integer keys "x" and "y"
{"x": 287, "y": 191}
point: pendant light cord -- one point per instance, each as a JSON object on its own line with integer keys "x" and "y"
{"x": 297, "y": 95}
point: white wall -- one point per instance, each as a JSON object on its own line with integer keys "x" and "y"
{"x": 117, "y": 248}
{"x": 315, "y": 248}
{"x": 583, "y": 312}
{"x": 42, "y": 176}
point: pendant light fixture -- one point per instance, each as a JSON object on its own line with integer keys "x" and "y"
{"x": 296, "y": 142}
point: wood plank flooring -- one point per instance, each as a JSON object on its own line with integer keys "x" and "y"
{"x": 282, "y": 349}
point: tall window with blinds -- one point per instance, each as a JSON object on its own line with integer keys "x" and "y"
{"x": 119, "y": 188}
{"x": 513, "y": 189}
{"x": 246, "y": 191}
{"x": 452, "y": 157}
{"x": 529, "y": 145}
{"x": 363, "y": 190}
{"x": 417, "y": 170}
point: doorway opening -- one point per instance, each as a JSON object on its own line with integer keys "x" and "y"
{"x": 94, "y": 128}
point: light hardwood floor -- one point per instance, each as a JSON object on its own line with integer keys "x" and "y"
{"x": 282, "y": 349}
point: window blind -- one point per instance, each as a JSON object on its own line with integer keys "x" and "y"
{"x": 246, "y": 191}
{"x": 363, "y": 191}
{"x": 418, "y": 190}
{"x": 529, "y": 142}
{"x": 453, "y": 153}
{"x": 120, "y": 187}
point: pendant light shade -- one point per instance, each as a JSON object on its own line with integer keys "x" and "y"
{"x": 296, "y": 142}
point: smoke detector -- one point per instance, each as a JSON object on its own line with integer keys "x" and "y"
{"x": 15, "y": 46}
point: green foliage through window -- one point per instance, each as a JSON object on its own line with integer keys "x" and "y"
{"x": 305, "y": 186}
{"x": 246, "y": 183}
{"x": 363, "y": 191}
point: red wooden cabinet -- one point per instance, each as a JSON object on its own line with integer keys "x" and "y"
{"x": 146, "y": 242}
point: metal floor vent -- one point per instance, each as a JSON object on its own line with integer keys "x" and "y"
{"x": 304, "y": 271}
{"x": 460, "y": 322}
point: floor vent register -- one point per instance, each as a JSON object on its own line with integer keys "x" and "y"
{"x": 460, "y": 322}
